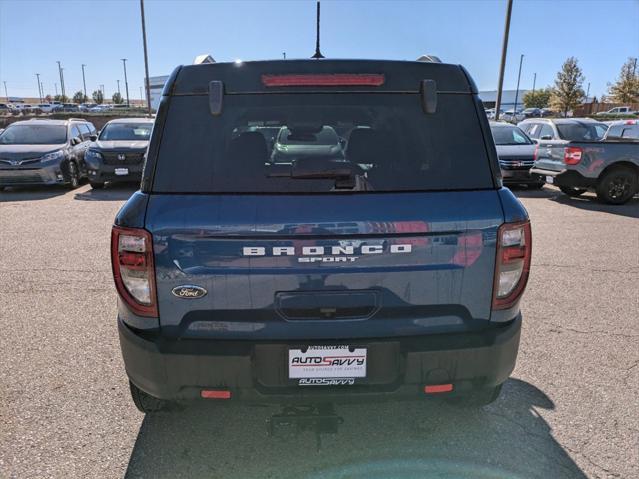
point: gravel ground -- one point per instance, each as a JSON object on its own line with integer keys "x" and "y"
{"x": 570, "y": 410}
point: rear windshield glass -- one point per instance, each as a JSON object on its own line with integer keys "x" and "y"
{"x": 34, "y": 135}
{"x": 321, "y": 142}
{"x": 618, "y": 132}
{"x": 509, "y": 135}
{"x": 581, "y": 131}
{"x": 126, "y": 132}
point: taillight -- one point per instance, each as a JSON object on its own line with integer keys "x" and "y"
{"x": 133, "y": 270}
{"x": 512, "y": 265}
{"x": 572, "y": 155}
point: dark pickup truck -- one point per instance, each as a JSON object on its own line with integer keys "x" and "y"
{"x": 393, "y": 270}
{"x": 609, "y": 166}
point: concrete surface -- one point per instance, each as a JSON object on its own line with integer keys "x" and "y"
{"x": 571, "y": 409}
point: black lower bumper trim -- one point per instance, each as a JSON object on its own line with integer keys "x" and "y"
{"x": 257, "y": 371}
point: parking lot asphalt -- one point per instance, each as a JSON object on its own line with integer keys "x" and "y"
{"x": 570, "y": 410}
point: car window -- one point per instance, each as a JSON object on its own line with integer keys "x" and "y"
{"x": 34, "y": 135}
{"x": 388, "y": 144}
{"x": 126, "y": 132}
{"x": 577, "y": 131}
{"x": 75, "y": 131}
{"x": 532, "y": 130}
{"x": 509, "y": 135}
{"x": 84, "y": 129}
{"x": 546, "y": 130}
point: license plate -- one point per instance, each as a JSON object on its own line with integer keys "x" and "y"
{"x": 327, "y": 362}
{"x": 550, "y": 179}
{"x": 121, "y": 171}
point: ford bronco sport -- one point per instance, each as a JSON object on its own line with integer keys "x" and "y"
{"x": 391, "y": 267}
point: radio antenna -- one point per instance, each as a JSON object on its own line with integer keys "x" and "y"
{"x": 318, "y": 54}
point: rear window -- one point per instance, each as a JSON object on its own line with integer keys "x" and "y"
{"x": 509, "y": 135}
{"x": 581, "y": 131}
{"x": 385, "y": 140}
{"x": 618, "y": 132}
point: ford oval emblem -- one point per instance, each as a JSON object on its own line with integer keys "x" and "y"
{"x": 189, "y": 291}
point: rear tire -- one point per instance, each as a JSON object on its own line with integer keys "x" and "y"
{"x": 536, "y": 186}
{"x": 572, "y": 191}
{"x": 477, "y": 398}
{"x": 145, "y": 402}
{"x": 95, "y": 185}
{"x": 617, "y": 186}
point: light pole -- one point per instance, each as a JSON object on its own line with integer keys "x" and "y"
{"x": 39, "y": 89}
{"x": 5, "y": 90}
{"x": 126, "y": 82}
{"x": 42, "y": 89}
{"x": 118, "y": 87}
{"x": 84, "y": 83}
{"x": 61, "y": 78}
{"x": 588, "y": 91}
{"x": 521, "y": 60}
{"x": 141, "y": 96}
{"x": 146, "y": 60}
{"x": 534, "y": 82}
{"x": 56, "y": 89}
{"x": 502, "y": 66}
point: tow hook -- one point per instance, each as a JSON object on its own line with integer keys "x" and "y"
{"x": 320, "y": 419}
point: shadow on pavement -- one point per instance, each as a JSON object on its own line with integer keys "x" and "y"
{"x": 508, "y": 439}
{"x": 31, "y": 193}
{"x": 120, "y": 192}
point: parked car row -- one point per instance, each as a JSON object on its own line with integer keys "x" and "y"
{"x": 54, "y": 107}
{"x": 48, "y": 152}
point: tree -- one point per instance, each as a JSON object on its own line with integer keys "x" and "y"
{"x": 48, "y": 98}
{"x": 568, "y": 93}
{"x": 79, "y": 97}
{"x": 60, "y": 98}
{"x": 117, "y": 98}
{"x": 98, "y": 97}
{"x": 538, "y": 99}
{"x": 626, "y": 88}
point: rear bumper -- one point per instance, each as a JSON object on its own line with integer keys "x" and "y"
{"x": 48, "y": 175}
{"x": 566, "y": 178}
{"x": 398, "y": 368}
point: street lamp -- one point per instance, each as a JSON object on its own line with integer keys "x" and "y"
{"x": 126, "y": 82}
{"x": 84, "y": 83}
{"x": 118, "y": 87}
{"x": 39, "y": 89}
{"x": 61, "y": 77}
{"x": 521, "y": 59}
{"x": 146, "y": 60}
{"x": 5, "y": 90}
{"x": 502, "y": 66}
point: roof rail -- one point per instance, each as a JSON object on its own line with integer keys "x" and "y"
{"x": 76, "y": 119}
{"x": 203, "y": 59}
{"x": 429, "y": 59}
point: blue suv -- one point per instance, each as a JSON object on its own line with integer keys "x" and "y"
{"x": 393, "y": 269}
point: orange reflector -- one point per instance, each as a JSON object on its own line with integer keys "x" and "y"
{"x": 215, "y": 394}
{"x": 438, "y": 388}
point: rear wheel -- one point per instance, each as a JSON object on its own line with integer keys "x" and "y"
{"x": 145, "y": 402}
{"x": 96, "y": 185}
{"x": 536, "y": 186}
{"x": 617, "y": 186}
{"x": 572, "y": 191}
{"x": 477, "y": 398}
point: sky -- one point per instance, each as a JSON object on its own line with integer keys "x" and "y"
{"x": 602, "y": 34}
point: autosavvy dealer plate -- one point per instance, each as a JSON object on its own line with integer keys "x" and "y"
{"x": 326, "y": 362}
{"x": 121, "y": 171}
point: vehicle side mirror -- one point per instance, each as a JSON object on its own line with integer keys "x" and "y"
{"x": 76, "y": 140}
{"x": 546, "y": 137}
{"x": 93, "y": 137}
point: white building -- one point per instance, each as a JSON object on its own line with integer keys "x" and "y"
{"x": 489, "y": 98}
